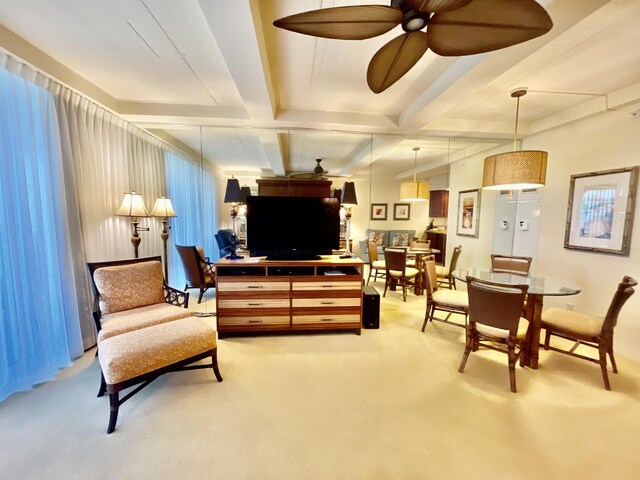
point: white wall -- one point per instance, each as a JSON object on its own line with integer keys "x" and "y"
{"x": 609, "y": 140}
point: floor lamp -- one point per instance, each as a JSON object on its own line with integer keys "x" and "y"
{"x": 347, "y": 200}
{"x": 133, "y": 207}
{"x": 233, "y": 196}
{"x": 163, "y": 209}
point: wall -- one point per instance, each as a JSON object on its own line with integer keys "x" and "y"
{"x": 606, "y": 141}
{"x": 383, "y": 190}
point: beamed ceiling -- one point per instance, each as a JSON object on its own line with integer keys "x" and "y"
{"x": 265, "y": 101}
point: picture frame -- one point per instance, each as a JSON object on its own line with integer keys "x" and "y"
{"x": 600, "y": 211}
{"x": 379, "y": 211}
{"x": 401, "y": 211}
{"x": 468, "y": 213}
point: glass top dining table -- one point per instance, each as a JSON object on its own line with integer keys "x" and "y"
{"x": 539, "y": 287}
{"x": 538, "y": 284}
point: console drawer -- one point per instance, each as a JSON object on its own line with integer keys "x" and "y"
{"x": 326, "y": 285}
{"x": 327, "y": 318}
{"x": 262, "y": 320}
{"x": 326, "y": 302}
{"x": 251, "y": 286}
{"x": 254, "y": 303}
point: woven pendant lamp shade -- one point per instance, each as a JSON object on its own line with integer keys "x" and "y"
{"x": 515, "y": 170}
{"x": 414, "y": 191}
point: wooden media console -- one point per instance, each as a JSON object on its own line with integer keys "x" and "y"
{"x": 255, "y": 294}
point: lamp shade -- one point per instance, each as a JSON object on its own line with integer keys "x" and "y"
{"x": 337, "y": 193}
{"x": 414, "y": 191}
{"x": 132, "y": 206}
{"x": 244, "y": 193}
{"x": 349, "y": 194}
{"x": 232, "y": 193}
{"x": 515, "y": 170}
{"x": 163, "y": 208}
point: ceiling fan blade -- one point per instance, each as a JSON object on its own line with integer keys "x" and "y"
{"x": 395, "y": 59}
{"x": 433, "y": 6}
{"x": 345, "y": 23}
{"x": 486, "y": 25}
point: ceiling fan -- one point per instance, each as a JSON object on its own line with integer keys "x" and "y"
{"x": 453, "y": 28}
{"x": 318, "y": 173}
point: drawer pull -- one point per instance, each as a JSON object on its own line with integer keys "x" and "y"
{"x": 327, "y": 319}
{"x": 254, "y": 304}
{"x": 327, "y": 303}
{"x": 327, "y": 286}
{"x": 254, "y": 286}
{"x": 255, "y": 321}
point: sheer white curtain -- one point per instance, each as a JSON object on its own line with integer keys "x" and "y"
{"x": 39, "y": 319}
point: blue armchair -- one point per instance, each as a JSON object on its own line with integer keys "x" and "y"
{"x": 224, "y": 239}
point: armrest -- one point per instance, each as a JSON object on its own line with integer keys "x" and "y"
{"x": 175, "y": 296}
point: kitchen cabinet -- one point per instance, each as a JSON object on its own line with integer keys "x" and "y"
{"x": 438, "y": 203}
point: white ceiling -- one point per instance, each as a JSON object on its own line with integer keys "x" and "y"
{"x": 269, "y": 101}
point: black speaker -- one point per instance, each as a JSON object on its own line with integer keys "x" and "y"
{"x": 370, "y": 307}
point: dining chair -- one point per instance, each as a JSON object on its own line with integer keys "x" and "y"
{"x": 445, "y": 274}
{"x": 588, "y": 330}
{"x": 417, "y": 245}
{"x": 440, "y": 299}
{"x": 396, "y": 271}
{"x": 495, "y": 321}
{"x": 199, "y": 272}
{"x": 376, "y": 266}
{"x": 510, "y": 264}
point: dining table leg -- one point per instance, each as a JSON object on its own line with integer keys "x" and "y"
{"x": 418, "y": 287}
{"x": 533, "y": 313}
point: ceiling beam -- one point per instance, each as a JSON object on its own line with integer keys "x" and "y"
{"x": 237, "y": 28}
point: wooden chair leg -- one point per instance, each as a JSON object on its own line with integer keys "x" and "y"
{"x": 386, "y": 285}
{"x": 467, "y": 351}
{"x": 214, "y": 364}
{"x": 614, "y": 367}
{"x": 201, "y": 295}
{"x": 114, "y": 405}
{"x": 404, "y": 291}
{"x": 603, "y": 366}
{"x": 512, "y": 368}
{"x": 547, "y": 338}
{"x": 103, "y": 385}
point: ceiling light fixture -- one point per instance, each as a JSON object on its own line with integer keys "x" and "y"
{"x": 414, "y": 191}
{"x": 518, "y": 169}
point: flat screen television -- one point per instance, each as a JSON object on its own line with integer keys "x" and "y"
{"x": 292, "y": 227}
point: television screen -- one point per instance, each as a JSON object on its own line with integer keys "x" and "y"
{"x": 292, "y": 226}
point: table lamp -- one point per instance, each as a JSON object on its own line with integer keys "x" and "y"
{"x": 233, "y": 196}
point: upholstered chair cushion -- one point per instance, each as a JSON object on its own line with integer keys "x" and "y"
{"x": 572, "y": 321}
{"x": 442, "y": 271}
{"x": 142, "y": 351}
{"x": 124, "y": 287}
{"x": 408, "y": 273}
{"x": 378, "y": 264}
{"x": 128, "y": 320}
{"x": 456, "y": 298}
{"x": 523, "y": 325}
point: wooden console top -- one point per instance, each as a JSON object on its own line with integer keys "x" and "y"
{"x": 326, "y": 260}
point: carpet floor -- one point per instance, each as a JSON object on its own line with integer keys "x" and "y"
{"x": 389, "y": 404}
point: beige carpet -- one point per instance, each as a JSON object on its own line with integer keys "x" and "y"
{"x": 388, "y": 404}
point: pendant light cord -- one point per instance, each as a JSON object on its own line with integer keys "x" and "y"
{"x": 515, "y": 134}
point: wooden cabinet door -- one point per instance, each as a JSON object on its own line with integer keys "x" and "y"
{"x": 438, "y": 203}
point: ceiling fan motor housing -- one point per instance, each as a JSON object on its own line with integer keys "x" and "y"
{"x": 413, "y": 20}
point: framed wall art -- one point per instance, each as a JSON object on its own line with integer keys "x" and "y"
{"x": 378, "y": 211}
{"x": 600, "y": 211}
{"x": 468, "y": 212}
{"x": 401, "y": 211}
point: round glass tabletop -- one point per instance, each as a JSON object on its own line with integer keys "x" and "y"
{"x": 538, "y": 284}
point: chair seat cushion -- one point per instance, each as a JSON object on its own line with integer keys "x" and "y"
{"x": 442, "y": 271}
{"x": 142, "y": 351}
{"x": 129, "y": 320}
{"x": 523, "y": 325}
{"x": 456, "y": 298}
{"x": 409, "y": 272}
{"x": 572, "y": 321}
{"x": 411, "y": 263}
{"x": 378, "y": 264}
